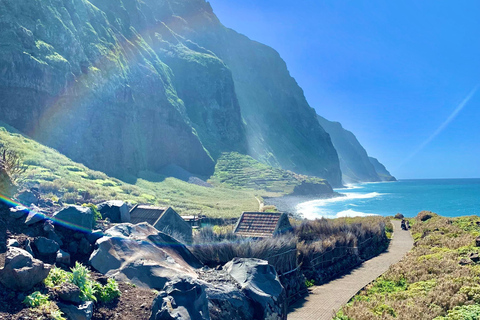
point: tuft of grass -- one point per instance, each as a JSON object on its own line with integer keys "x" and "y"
{"x": 36, "y": 299}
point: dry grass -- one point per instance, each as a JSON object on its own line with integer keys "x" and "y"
{"x": 429, "y": 282}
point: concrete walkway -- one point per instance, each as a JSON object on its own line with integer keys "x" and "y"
{"x": 325, "y": 300}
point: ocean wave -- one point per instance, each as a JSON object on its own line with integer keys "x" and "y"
{"x": 316, "y": 208}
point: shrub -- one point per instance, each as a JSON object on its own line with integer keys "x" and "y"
{"x": 96, "y": 214}
{"x": 55, "y": 277}
{"x": 11, "y": 169}
{"x": 36, "y": 299}
{"x": 109, "y": 292}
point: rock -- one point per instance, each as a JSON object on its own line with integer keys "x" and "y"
{"x": 55, "y": 237}
{"x": 21, "y": 271}
{"x": 28, "y": 246}
{"x": 115, "y": 210}
{"x": 68, "y": 292}
{"x": 76, "y": 218}
{"x": 13, "y": 243}
{"x": 93, "y": 236}
{"x": 465, "y": 261}
{"x": 18, "y": 212}
{"x": 474, "y": 257}
{"x": 477, "y": 242}
{"x": 46, "y": 246}
{"x": 260, "y": 282}
{"x": 181, "y": 299}
{"x": 312, "y": 189}
{"x": 27, "y": 198}
{"x": 82, "y": 312}
{"x": 35, "y": 215}
{"x": 72, "y": 247}
{"x": 142, "y": 255}
{"x": 63, "y": 257}
{"x": 48, "y": 226}
{"x": 84, "y": 247}
{"x": 399, "y": 216}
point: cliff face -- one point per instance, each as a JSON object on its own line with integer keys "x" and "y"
{"x": 127, "y": 85}
{"x": 355, "y": 163}
{"x": 381, "y": 170}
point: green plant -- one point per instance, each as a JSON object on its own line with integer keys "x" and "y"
{"x": 36, "y": 299}
{"x": 80, "y": 277}
{"x": 310, "y": 283}
{"x": 471, "y": 312}
{"x": 55, "y": 277}
{"x": 110, "y": 291}
{"x": 96, "y": 214}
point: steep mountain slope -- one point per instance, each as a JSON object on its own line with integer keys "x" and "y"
{"x": 354, "y": 161}
{"x": 125, "y": 86}
{"x": 381, "y": 170}
{"x": 281, "y": 127}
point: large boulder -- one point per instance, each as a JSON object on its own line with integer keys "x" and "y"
{"x": 21, "y": 270}
{"x": 28, "y": 197}
{"x": 181, "y": 299}
{"x": 115, "y": 210}
{"x": 142, "y": 255}
{"x": 81, "y": 312}
{"x": 46, "y": 246}
{"x": 260, "y": 282}
{"x": 75, "y": 217}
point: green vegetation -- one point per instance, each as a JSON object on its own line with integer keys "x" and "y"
{"x": 439, "y": 279}
{"x": 90, "y": 290}
{"x": 241, "y": 171}
{"x": 43, "y": 307}
{"x": 59, "y": 178}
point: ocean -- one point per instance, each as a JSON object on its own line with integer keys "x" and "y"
{"x": 447, "y": 197}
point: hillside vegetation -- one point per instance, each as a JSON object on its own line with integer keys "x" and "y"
{"x": 439, "y": 279}
{"x": 60, "y": 178}
{"x": 243, "y": 172}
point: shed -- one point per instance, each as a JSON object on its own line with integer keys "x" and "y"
{"x": 262, "y": 224}
{"x": 164, "y": 219}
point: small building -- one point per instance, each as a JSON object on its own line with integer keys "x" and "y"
{"x": 164, "y": 219}
{"x": 262, "y": 224}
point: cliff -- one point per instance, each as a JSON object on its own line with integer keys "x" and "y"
{"x": 125, "y": 86}
{"x": 355, "y": 163}
{"x": 381, "y": 170}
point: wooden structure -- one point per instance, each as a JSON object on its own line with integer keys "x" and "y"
{"x": 164, "y": 219}
{"x": 262, "y": 224}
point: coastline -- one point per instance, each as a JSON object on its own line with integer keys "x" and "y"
{"x": 288, "y": 203}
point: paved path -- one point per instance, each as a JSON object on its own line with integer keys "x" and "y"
{"x": 323, "y": 301}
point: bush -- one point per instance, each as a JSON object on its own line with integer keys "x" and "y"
{"x": 11, "y": 169}
{"x": 110, "y": 291}
{"x": 36, "y": 299}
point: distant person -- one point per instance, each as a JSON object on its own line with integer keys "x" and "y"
{"x": 407, "y": 224}
{"x": 404, "y": 227}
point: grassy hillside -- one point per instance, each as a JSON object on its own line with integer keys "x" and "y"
{"x": 58, "y": 177}
{"x": 439, "y": 279}
{"x": 243, "y": 172}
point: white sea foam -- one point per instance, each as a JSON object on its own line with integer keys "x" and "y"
{"x": 317, "y": 208}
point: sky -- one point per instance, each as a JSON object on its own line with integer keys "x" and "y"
{"x": 401, "y": 75}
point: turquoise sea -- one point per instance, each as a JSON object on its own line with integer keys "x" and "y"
{"x": 447, "y": 197}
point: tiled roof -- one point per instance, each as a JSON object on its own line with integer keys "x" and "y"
{"x": 142, "y": 213}
{"x": 257, "y": 224}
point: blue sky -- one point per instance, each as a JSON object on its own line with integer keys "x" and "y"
{"x": 395, "y": 73}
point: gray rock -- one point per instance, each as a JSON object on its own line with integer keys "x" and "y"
{"x": 46, "y": 246}
{"x": 477, "y": 241}
{"x": 63, "y": 257}
{"x": 115, "y": 210}
{"x": 13, "y": 243}
{"x": 75, "y": 217}
{"x": 181, "y": 299}
{"x": 18, "y": 212}
{"x": 72, "y": 247}
{"x": 260, "y": 282}
{"x": 68, "y": 292}
{"x": 55, "y": 237}
{"x": 84, "y": 246}
{"x": 28, "y": 246}
{"x": 142, "y": 255}
{"x": 27, "y": 198}
{"x": 93, "y": 236}
{"x": 35, "y": 215}
{"x": 82, "y": 312}
{"x": 22, "y": 271}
